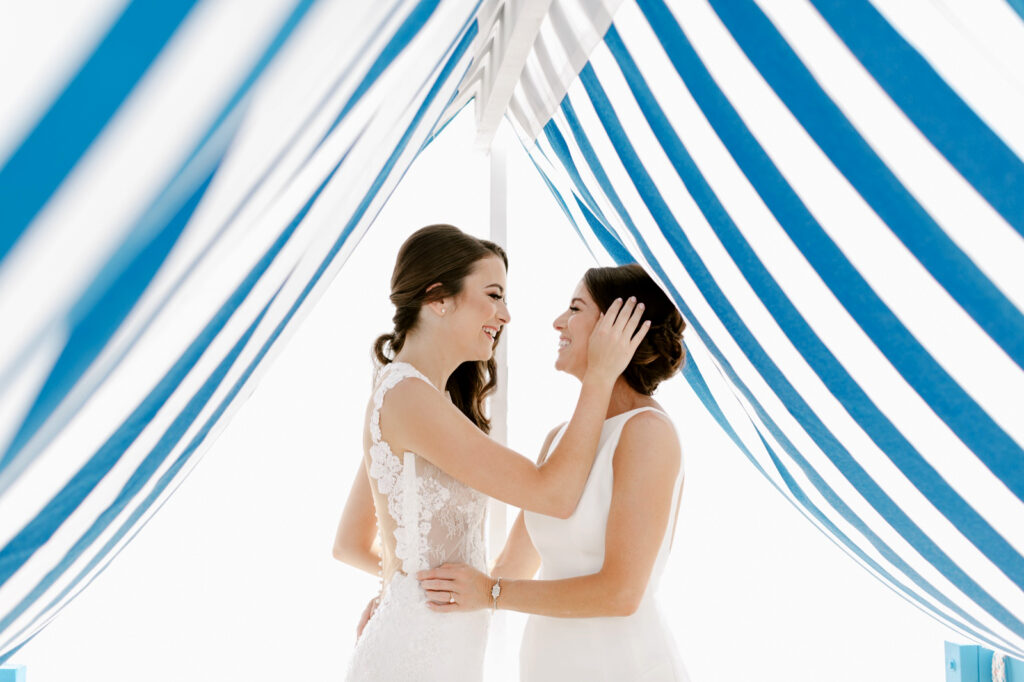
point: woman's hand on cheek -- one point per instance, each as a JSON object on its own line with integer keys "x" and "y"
{"x": 615, "y": 338}
{"x": 470, "y": 589}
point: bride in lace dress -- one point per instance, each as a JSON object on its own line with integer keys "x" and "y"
{"x": 428, "y": 464}
{"x": 594, "y": 611}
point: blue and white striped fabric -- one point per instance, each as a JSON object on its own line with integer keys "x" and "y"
{"x": 833, "y": 193}
{"x": 176, "y": 192}
{"x": 832, "y": 190}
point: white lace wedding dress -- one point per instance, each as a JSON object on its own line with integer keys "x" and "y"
{"x": 425, "y": 518}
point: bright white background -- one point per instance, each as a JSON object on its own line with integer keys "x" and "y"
{"x": 234, "y": 579}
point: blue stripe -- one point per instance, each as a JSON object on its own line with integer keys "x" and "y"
{"x": 1017, "y": 6}
{"x": 561, "y": 202}
{"x": 39, "y": 165}
{"x": 314, "y": 113}
{"x": 444, "y": 124}
{"x": 467, "y": 35}
{"x": 112, "y": 294}
{"x": 152, "y": 212}
{"x": 295, "y": 17}
{"x": 946, "y": 398}
{"x": 6, "y": 656}
{"x": 769, "y": 370}
{"x": 608, "y": 240}
{"x": 410, "y": 27}
{"x": 695, "y": 379}
{"x": 591, "y": 210}
{"x": 855, "y": 159}
{"x": 300, "y": 129}
{"x": 561, "y": 151}
{"x": 950, "y": 125}
{"x": 828, "y": 368}
{"x": 408, "y": 30}
{"x": 217, "y": 137}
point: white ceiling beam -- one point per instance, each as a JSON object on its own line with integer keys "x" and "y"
{"x": 513, "y": 29}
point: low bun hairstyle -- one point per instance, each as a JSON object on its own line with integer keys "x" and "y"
{"x": 661, "y": 353}
{"x": 442, "y": 255}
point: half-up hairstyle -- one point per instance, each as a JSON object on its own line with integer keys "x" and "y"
{"x": 661, "y": 353}
{"x": 443, "y": 255}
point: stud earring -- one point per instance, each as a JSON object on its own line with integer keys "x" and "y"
{"x": 442, "y": 311}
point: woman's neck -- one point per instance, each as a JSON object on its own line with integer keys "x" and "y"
{"x": 625, "y": 399}
{"x": 429, "y": 357}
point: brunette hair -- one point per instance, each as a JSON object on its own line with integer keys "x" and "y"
{"x": 661, "y": 353}
{"x": 440, "y": 255}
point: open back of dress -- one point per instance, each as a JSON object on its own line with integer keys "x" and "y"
{"x": 425, "y": 518}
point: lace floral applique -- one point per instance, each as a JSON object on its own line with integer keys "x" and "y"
{"x": 417, "y": 491}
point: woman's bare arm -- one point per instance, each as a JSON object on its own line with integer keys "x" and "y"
{"x": 420, "y": 419}
{"x": 355, "y": 542}
{"x": 646, "y": 463}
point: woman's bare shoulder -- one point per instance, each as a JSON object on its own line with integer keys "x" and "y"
{"x": 651, "y": 433}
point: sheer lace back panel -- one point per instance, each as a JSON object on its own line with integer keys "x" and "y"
{"x": 424, "y": 516}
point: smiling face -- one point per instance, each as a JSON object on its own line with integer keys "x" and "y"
{"x": 479, "y": 311}
{"x": 574, "y": 327}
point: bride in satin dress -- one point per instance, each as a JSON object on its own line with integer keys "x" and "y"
{"x": 420, "y": 496}
{"x": 594, "y": 610}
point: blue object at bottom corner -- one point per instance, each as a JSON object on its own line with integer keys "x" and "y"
{"x": 973, "y": 663}
{"x": 12, "y": 673}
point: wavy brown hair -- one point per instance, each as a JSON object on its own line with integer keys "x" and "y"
{"x": 661, "y": 353}
{"x": 443, "y": 255}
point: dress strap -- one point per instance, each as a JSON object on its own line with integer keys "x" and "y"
{"x": 645, "y": 408}
{"x": 388, "y": 377}
{"x": 632, "y": 413}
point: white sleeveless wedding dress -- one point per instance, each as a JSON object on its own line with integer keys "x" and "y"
{"x": 425, "y": 518}
{"x": 635, "y": 648}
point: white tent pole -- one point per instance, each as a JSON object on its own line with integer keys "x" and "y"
{"x": 498, "y": 663}
{"x": 499, "y": 399}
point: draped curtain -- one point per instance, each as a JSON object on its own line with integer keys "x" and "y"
{"x": 168, "y": 217}
{"x": 832, "y": 191}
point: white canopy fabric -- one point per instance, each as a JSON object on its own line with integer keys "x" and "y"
{"x": 832, "y": 192}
